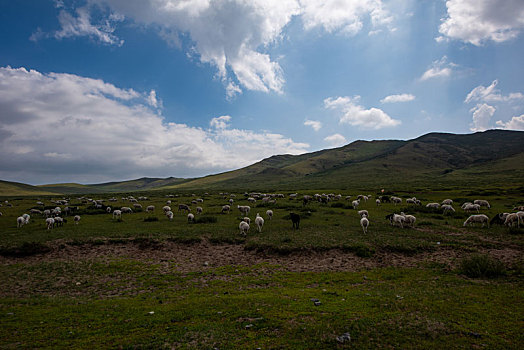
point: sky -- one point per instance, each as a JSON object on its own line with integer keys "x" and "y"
{"x": 108, "y": 90}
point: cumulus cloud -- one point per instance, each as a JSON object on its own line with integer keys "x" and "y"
{"x": 345, "y": 16}
{"x": 398, "y": 98}
{"x": 315, "y": 124}
{"x": 491, "y": 94}
{"x": 233, "y": 36}
{"x": 61, "y": 127}
{"x": 478, "y": 21}
{"x": 439, "y": 69}
{"x": 357, "y": 115}
{"x": 516, "y": 123}
{"x": 482, "y": 114}
{"x": 335, "y": 140}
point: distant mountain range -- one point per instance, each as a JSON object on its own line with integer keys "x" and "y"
{"x": 490, "y": 158}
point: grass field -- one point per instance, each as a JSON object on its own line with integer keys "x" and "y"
{"x": 147, "y": 282}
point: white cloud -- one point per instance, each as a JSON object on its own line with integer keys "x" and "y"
{"x": 233, "y": 36}
{"x": 62, "y": 127}
{"x": 398, "y": 98}
{"x": 439, "y": 69}
{"x": 356, "y": 115}
{"x": 345, "y": 16}
{"x": 80, "y": 25}
{"x": 482, "y": 114}
{"x": 491, "y": 94}
{"x": 516, "y": 123}
{"x": 220, "y": 122}
{"x": 335, "y": 140}
{"x": 152, "y": 100}
{"x": 315, "y": 124}
{"x": 478, "y": 21}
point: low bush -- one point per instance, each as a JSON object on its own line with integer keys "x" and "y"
{"x": 477, "y": 266}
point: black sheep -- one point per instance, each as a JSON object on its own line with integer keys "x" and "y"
{"x": 295, "y": 218}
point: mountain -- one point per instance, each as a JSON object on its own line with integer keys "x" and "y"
{"x": 490, "y": 158}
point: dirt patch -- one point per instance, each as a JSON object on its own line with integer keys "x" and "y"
{"x": 204, "y": 255}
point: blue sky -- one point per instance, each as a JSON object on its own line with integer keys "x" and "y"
{"x": 104, "y": 90}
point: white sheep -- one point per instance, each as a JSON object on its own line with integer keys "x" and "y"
{"x": 50, "y": 222}
{"x": 465, "y": 204}
{"x": 433, "y": 205}
{"x": 20, "y": 221}
{"x": 447, "y": 202}
{"x": 59, "y": 221}
{"x": 396, "y": 219}
{"x": 472, "y": 207}
{"x": 170, "y": 215}
{"x": 355, "y": 203}
{"x": 126, "y": 210}
{"x": 364, "y": 222}
{"x": 226, "y": 208}
{"x": 166, "y": 208}
{"x": 363, "y": 213}
{"x": 480, "y": 218}
{"x": 396, "y": 200}
{"x": 108, "y": 210}
{"x": 244, "y": 209}
{"x": 26, "y": 218}
{"x": 199, "y": 210}
{"x": 117, "y": 214}
{"x": 244, "y": 227}
{"x": 269, "y": 214}
{"x": 259, "y": 221}
{"x": 150, "y": 208}
{"x": 190, "y": 217}
{"x": 447, "y": 207}
{"x": 247, "y": 219}
{"x": 482, "y": 203}
{"x": 520, "y": 214}
{"x": 76, "y": 219}
{"x": 377, "y": 201}
{"x": 409, "y": 219}
{"x": 511, "y": 219}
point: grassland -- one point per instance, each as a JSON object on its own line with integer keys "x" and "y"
{"x": 146, "y": 283}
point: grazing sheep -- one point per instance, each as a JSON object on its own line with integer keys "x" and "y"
{"x": 137, "y": 206}
{"x": 244, "y": 209}
{"x": 473, "y": 219}
{"x": 396, "y": 200}
{"x": 447, "y": 208}
{"x": 50, "y": 222}
{"x": 108, "y": 210}
{"x": 465, "y": 204}
{"x": 519, "y": 208}
{"x": 59, "y": 221}
{"x": 295, "y": 219}
{"x": 35, "y": 211}
{"x": 47, "y": 213}
{"x": 231, "y": 200}
{"x": 269, "y": 214}
{"x": 26, "y": 218}
{"x": 364, "y": 222}
{"x": 117, "y": 214}
{"x": 482, "y": 203}
{"x": 396, "y": 219}
{"x": 20, "y": 221}
{"x": 76, "y": 219}
{"x": 472, "y": 207}
{"x": 363, "y": 213}
{"x": 409, "y": 219}
{"x": 433, "y": 205}
{"x": 226, "y": 208}
{"x": 190, "y": 217}
{"x": 411, "y": 201}
{"x": 199, "y": 210}
{"x": 511, "y": 219}
{"x": 355, "y": 204}
{"x": 259, "y": 221}
{"x": 499, "y": 219}
{"x": 166, "y": 208}
{"x": 150, "y": 208}
{"x": 247, "y": 219}
{"x": 447, "y": 202}
{"x": 126, "y": 210}
{"x": 183, "y": 207}
{"x": 377, "y": 201}
{"x": 244, "y": 227}
{"x": 170, "y": 215}
{"x": 520, "y": 214}
{"x": 168, "y": 202}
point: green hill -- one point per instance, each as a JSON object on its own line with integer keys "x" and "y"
{"x": 492, "y": 158}
{"x": 8, "y": 188}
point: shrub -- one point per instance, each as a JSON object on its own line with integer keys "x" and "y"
{"x": 206, "y": 220}
{"x": 476, "y": 266}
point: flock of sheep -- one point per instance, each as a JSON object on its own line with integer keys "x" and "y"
{"x": 53, "y": 217}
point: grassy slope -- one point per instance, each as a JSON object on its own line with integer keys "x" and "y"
{"x": 8, "y": 188}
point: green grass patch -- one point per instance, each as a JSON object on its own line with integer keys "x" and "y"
{"x": 482, "y": 266}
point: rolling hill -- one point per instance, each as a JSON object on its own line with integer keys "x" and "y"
{"x": 490, "y": 158}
